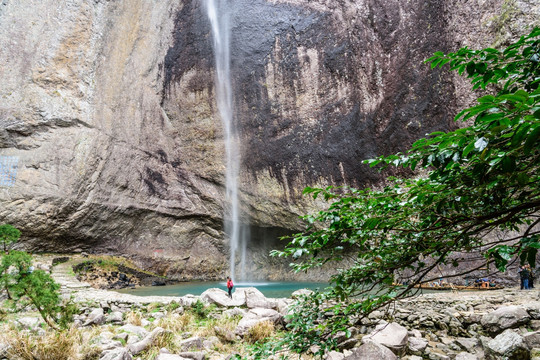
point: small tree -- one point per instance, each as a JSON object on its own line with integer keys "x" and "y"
{"x": 8, "y": 235}
{"x": 479, "y": 180}
{"x": 26, "y": 286}
{"x": 34, "y": 287}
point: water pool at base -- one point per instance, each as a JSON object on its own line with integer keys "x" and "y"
{"x": 269, "y": 289}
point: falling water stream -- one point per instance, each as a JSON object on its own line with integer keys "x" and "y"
{"x": 218, "y": 14}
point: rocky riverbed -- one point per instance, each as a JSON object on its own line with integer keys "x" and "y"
{"x": 500, "y": 324}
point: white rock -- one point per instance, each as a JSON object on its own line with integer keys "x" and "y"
{"x": 465, "y": 356}
{"x": 191, "y": 343}
{"x": 255, "y": 316}
{"x": 158, "y": 315}
{"x": 467, "y": 344}
{"x": 115, "y": 317}
{"x": 392, "y": 335}
{"x": 417, "y": 345}
{"x": 300, "y": 293}
{"x": 96, "y": 317}
{"x": 334, "y": 355}
{"x": 221, "y": 297}
{"x": 170, "y": 357}
{"x": 29, "y": 322}
{"x": 138, "y": 331}
{"x": 235, "y": 312}
{"x": 283, "y": 305}
{"x": 256, "y": 299}
{"x": 116, "y": 354}
{"x": 146, "y": 342}
{"x": 532, "y": 339}
{"x": 188, "y": 300}
{"x": 371, "y": 350}
{"x": 503, "y": 318}
{"x": 508, "y": 345}
{"x": 193, "y": 355}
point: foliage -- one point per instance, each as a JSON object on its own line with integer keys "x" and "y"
{"x": 173, "y": 305}
{"x": 200, "y": 310}
{"x": 306, "y": 327}
{"x": 8, "y": 235}
{"x": 26, "y": 286}
{"x": 30, "y": 287}
{"x": 478, "y": 182}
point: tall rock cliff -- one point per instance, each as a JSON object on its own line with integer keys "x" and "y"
{"x": 110, "y": 132}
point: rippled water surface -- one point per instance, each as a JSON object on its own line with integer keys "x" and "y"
{"x": 269, "y": 289}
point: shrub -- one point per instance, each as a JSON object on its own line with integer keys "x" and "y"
{"x": 59, "y": 345}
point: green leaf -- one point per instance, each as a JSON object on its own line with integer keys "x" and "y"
{"x": 486, "y": 99}
{"x": 509, "y": 164}
{"x": 471, "y": 68}
{"x": 520, "y": 134}
{"x": 468, "y": 149}
{"x": 481, "y": 68}
{"x": 531, "y": 257}
{"x": 531, "y": 140}
{"x": 460, "y": 114}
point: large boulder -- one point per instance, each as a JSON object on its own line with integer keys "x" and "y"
{"x": 371, "y": 350}
{"x": 221, "y": 298}
{"x": 507, "y": 346}
{"x": 391, "y": 335}
{"x": 256, "y": 299}
{"x": 255, "y": 316}
{"x": 506, "y": 317}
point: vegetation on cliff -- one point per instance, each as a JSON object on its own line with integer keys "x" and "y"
{"x": 479, "y": 182}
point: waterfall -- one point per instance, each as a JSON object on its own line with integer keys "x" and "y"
{"x": 218, "y": 14}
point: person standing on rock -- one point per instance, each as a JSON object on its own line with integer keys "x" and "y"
{"x": 525, "y": 275}
{"x": 230, "y": 286}
{"x": 520, "y": 269}
{"x": 531, "y": 277}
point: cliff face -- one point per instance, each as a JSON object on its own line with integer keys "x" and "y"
{"x": 107, "y": 109}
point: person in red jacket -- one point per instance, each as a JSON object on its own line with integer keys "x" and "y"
{"x": 229, "y": 286}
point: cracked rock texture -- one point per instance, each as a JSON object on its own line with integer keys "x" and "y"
{"x": 109, "y": 109}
